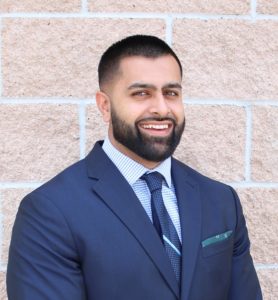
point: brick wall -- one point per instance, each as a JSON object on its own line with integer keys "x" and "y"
{"x": 229, "y": 49}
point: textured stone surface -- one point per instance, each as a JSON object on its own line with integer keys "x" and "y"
{"x": 96, "y": 129}
{"x": 3, "y": 294}
{"x": 261, "y": 210}
{"x": 37, "y": 140}
{"x": 40, "y": 5}
{"x": 213, "y": 141}
{"x": 228, "y": 58}
{"x": 59, "y": 57}
{"x": 177, "y": 6}
{"x": 269, "y": 283}
{"x": 10, "y": 200}
{"x": 265, "y": 144}
{"x": 269, "y": 7}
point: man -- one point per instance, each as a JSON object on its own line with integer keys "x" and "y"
{"x": 129, "y": 222}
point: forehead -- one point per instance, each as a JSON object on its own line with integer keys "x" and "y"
{"x": 138, "y": 68}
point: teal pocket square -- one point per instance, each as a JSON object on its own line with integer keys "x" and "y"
{"x": 217, "y": 238}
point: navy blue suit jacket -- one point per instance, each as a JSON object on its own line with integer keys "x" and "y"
{"x": 85, "y": 235}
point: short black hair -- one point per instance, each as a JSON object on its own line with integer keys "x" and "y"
{"x": 136, "y": 45}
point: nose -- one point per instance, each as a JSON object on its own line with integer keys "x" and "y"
{"x": 159, "y": 105}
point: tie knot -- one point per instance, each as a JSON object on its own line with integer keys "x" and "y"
{"x": 153, "y": 180}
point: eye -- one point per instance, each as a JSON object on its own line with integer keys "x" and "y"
{"x": 140, "y": 93}
{"x": 171, "y": 93}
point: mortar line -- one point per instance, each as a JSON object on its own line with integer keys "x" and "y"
{"x": 248, "y": 143}
{"x": 169, "y": 31}
{"x": 88, "y": 15}
{"x": 84, "y": 6}
{"x": 127, "y": 15}
{"x": 210, "y": 16}
{"x": 214, "y": 102}
{"x": 84, "y": 14}
{"x": 253, "y": 10}
{"x": 19, "y": 185}
{"x": 3, "y": 267}
{"x": 266, "y": 266}
{"x": 230, "y": 102}
{"x": 265, "y": 103}
{"x": 82, "y": 129}
{"x": 267, "y": 17}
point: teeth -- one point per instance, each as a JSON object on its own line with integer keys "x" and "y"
{"x": 152, "y": 126}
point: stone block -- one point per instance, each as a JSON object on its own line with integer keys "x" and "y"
{"x": 269, "y": 283}
{"x": 3, "y": 294}
{"x": 10, "y": 200}
{"x": 265, "y": 144}
{"x": 37, "y": 140}
{"x": 269, "y": 7}
{"x": 214, "y": 141}
{"x": 260, "y": 207}
{"x": 231, "y": 59}
{"x": 96, "y": 129}
{"x": 59, "y": 57}
{"x": 173, "y": 6}
{"x": 30, "y": 6}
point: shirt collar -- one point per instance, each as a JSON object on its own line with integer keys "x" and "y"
{"x": 131, "y": 169}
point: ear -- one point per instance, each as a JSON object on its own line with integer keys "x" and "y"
{"x": 103, "y": 104}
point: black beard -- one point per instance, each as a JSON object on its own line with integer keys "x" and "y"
{"x": 151, "y": 148}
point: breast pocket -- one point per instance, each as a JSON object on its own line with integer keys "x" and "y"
{"x": 219, "y": 247}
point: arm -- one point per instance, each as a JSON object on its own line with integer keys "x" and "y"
{"x": 43, "y": 260}
{"x": 245, "y": 284}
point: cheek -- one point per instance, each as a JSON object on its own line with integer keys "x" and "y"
{"x": 178, "y": 111}
{"x": 132, "y": 112}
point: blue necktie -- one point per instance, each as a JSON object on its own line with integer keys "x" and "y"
{"x": 163, "y": 222}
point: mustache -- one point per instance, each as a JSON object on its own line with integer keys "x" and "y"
{"x": 149, "y": 119}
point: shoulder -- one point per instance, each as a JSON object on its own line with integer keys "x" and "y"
{"x": 74, "y": 179}
{"x": 212, "y": 192}
{"x": 195, "y": 176}
{"x": 60, "y": 193}
{"x": 72, "y": 188}
{"x": 65, "y": 181}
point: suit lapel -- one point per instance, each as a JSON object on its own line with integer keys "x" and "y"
{"x": 114, "y": 190}
{"x": 187, "y": 192}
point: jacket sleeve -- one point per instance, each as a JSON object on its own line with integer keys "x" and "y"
{"x": 245, "y": 284}
{"x": 43, "y": 260}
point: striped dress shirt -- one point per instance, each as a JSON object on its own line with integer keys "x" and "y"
{"x": 132, "y": 171}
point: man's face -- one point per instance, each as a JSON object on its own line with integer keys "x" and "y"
{"x": 146, "y": 114}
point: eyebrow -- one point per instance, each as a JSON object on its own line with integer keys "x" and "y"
{"x": 136, "y": 85}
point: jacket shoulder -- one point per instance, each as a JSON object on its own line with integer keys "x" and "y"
{"x": 198, "y": 177}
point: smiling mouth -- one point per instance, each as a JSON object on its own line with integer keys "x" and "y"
{"x": 156, "y": 128}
